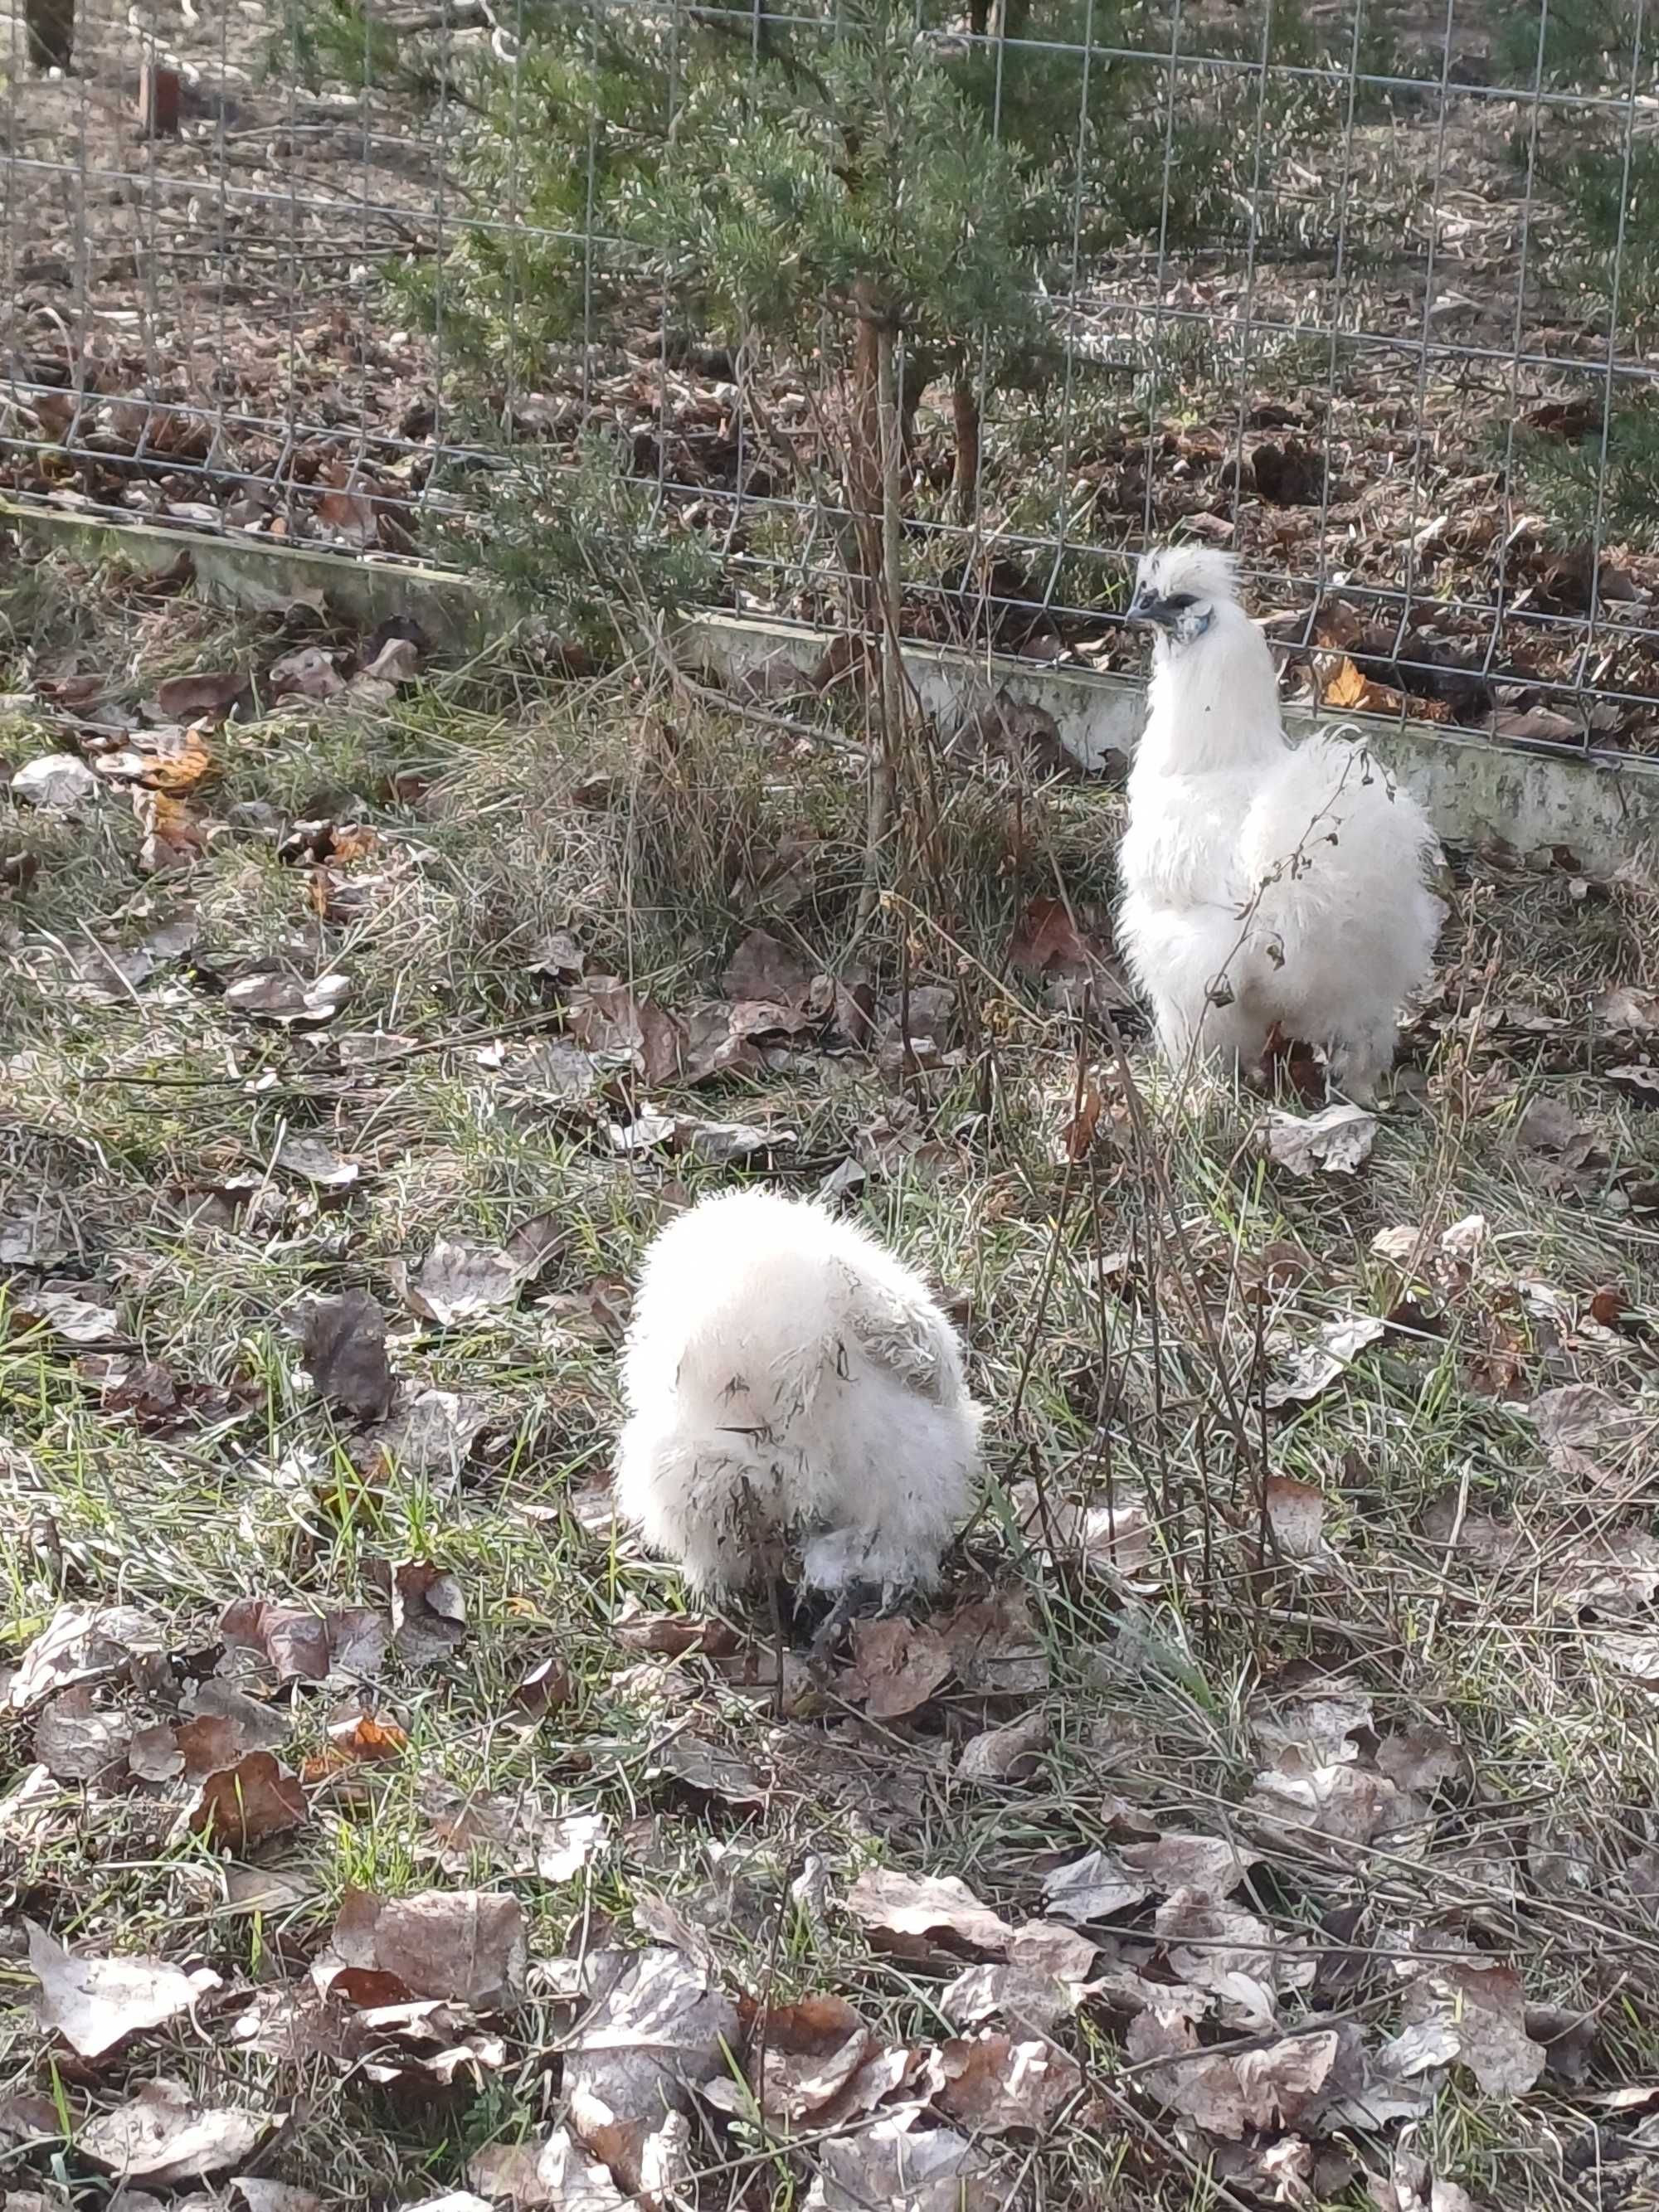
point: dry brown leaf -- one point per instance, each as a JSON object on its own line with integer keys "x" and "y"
{"x": 1348, "y": 1803}
{"x": 994, "y": 2084}
{"x": 302, "y": 1645}
{"x": 1626, "y": 1008}
{"x": 1480, "y": 2009}
{"x": 308, "y": 673}
{"x": 516, "y": 1834}
{"x": 458, "y": 1281}
{"x": 170, "y": 836}
{"x": 901, "y": 2166}
{"x": 95, "y": 2003}
{"x": 163, "y": 2135}
{"x": 1042, "y": 1983}
{"x": 607, "y": 1017}
{"x": 76, "y": 1740}
{"x": 1266, "y": 2088}
{"x": 1638, "y": 1080}
{"x": 182, "y": 698}
{"x": 1303, "y": 1372}
{"x": 345, "y": 1353}
{"x": 255, "y": 2194}
{"x": 1091, "y": 1887}
{"x": 1336, "y": 1141}
{"x": 82, "y": 1644}
{"x": 1118, "y": 1536}
{"x": 547, "y": 1687}
{"x": 1070, "y": 956}
{"x": 1421, "y": 1758}
{"x": 238, "y": 1807}
{"x": 1211, "y": 1865}
{"x": 316, "y": 1162}
{"x": 269, "y": 995}
{"x": 1296, "y": 1517}
{"x": 1013, "y": 1753}
{"x": 428, "y": 1612}
{"x": 555, "y": 2174}
{"x": 464, "y": 1946}
{"x": 996, "y": 1647}
{"x": 357, "y": 1739}
{"x": 80, "y": 1313}
{"x": 1581, "y": 1425}
{"x": 763, "y": 969}
{"x": 896, "y": 1667}
{"x": 919, "y": 1912}
{"x": 660, "y": 2032}
{"x": 813, "y": 2063}
{"x": 694, "y": 1761}
{"x": 1233, "y": 1955}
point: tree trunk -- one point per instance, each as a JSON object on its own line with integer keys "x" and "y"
{"x": 882, "y": 814}
{"x": 864, "y": 487}
{"x": 964, "y": 414}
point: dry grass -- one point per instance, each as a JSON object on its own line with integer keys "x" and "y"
{"x": 1126, "y": 1311}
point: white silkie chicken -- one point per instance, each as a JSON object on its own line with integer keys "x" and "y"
{"x": 1265, "y": 888}
{"x": 793, "y": 1392}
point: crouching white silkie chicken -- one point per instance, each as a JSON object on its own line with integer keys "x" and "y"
{"x": 1264, "y": 886}
{"x": 793, "y": 1392}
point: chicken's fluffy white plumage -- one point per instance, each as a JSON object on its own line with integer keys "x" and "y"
{"x": 792, "y": 1388}
{"x": 1263, "y": 884}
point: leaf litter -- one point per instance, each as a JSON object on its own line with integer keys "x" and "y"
{"x": 963, "y": 1714}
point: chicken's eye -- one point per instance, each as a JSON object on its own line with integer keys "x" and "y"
{"x": 1180, "y": 601}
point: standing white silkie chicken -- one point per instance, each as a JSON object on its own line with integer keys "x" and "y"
{"x": 1265, "y": 886}
{"x": 794, "y": 1392}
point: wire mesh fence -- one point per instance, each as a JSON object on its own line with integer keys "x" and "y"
{"x": 1364, "y": 293}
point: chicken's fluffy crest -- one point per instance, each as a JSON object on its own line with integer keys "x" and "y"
{"x": 1203, "y": 571}
{"x": 791, "y": 1388}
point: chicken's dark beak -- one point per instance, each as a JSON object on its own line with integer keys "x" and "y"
{"x": 1146, "y": 607}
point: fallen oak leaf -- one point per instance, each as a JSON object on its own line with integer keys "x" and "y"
{"x": 1230, "y": 2097}
{"x": 457, "y": 1280}
{"x": 519, "y": 1835}
{"x": 554, "y": 2175}
{"x": 1069, "y": 955}
{"x": 1480, "y": 2007}
{"x": 605, "y": 1017}
{"x": 95, "y": 2004}
{"x": 1013, "y": 1753}
{"x": 1304, "y": 1372}
{"x": 171, "y": 836}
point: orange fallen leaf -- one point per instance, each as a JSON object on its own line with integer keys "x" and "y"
{"x": 188, "y": 763}
{"x": 1348, "y": 688}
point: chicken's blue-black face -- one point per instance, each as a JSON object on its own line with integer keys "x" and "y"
{"x": 1180, "y": 616}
